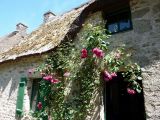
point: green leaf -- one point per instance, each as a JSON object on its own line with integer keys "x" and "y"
{"x": 139, "y": 78}
{"x": 138, "y": 90}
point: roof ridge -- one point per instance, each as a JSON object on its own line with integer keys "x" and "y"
{"x": 47, "y": 36}
{"x": 83, "y": 4}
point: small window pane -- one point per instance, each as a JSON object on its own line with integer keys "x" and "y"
{"x": 119, "y": 21}
{"x": 113, "y": 27}
{"x": 124, "y": 24}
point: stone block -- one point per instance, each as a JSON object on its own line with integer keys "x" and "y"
{"x": 156, "y": 8}
{"x": 140, "y": 13}
{"x": 142, "y": 26}
{"x": 157, "y": 20}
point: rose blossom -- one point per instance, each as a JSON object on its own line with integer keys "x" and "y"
{"x": 98, "y": 52}
{"x": 113, "y": 74}
{"x": 95, "y": 50}
{"x": 107, "y": 76}
{"x": 66, "y": 74}
{"x": 54, "y": 81}
{"x": 83, "y": 50}
{"x": 84, "y": 53}
{"x": 48, "y": 77}
{"x": 131, "y": 91}
{"x": 39, "y": 105}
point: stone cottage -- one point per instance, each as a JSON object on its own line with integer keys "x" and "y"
{"x": 135, "y": 23}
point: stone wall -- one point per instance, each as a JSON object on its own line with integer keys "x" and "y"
{"x": 10, "y": 74}
{"x": 147, "y": 31}
{"x": 12, "y": 71}
{"x": 144, "y": 42}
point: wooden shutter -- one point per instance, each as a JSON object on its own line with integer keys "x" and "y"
{"x": 20, "y": 97}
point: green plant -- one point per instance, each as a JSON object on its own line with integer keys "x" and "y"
{"x": 72, "y": 73}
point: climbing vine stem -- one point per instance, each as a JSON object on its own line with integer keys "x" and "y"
{"x": 75, "y": 70}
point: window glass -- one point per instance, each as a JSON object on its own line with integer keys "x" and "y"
{"x": 119, "y": 21}
{"x": 113, "y": 27}
{"x": 124, "y": 24}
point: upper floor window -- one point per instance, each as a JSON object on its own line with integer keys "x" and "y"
{"x": 118, "y": 17}
{"x": 119, "y": 21}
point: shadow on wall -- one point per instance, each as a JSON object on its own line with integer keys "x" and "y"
{"x": 9, "y": 80}
{"x": 145, "y": 47}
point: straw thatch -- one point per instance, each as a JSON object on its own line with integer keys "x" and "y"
{"x": 51, "y": 34}
{"x": 45, "y": 38}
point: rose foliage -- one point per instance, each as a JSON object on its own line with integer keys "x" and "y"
{"x": 76, "y": 69}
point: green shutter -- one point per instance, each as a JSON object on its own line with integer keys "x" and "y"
{"x": 20, "y": 97}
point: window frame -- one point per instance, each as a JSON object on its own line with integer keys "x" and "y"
{"x": 32, "y": 94}
{"x": 110, "y": 15}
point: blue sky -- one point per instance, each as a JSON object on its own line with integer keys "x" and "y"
{"x": 30, "y": 12}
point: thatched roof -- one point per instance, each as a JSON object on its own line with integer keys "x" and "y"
{"x": 51, "y": 34}
{"x": 46, "y": 37}
{"x": 10, "y": 40}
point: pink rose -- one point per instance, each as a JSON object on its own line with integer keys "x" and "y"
{"x": 48, "y": 77}
{"x": 131, "y": 91}
{"x": 107, "y": 76}
{"x": 39, "y": 106}
{"x": 98, "y": 52}
{"x": 66, "y": 74}
{"x": 84, "y": 53}
{"x": 84, "y": 50}
{"x": 95, "y": 50}
{"x": 113, "y": 74}
{"x": 54, "y": 81}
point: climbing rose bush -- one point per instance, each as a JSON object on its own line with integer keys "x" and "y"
{"x": 90, "y": 65}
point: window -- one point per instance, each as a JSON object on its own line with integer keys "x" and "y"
{"x": 35, "y": 97}
{"x": 119, "y": 105}
{"x": 119, "y": 21}
{"x": 34, "y": 94}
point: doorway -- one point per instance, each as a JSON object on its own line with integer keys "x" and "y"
{"x": 119, "y": 105}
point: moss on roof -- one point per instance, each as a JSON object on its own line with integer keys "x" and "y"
{"x": 47, "y": 36}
